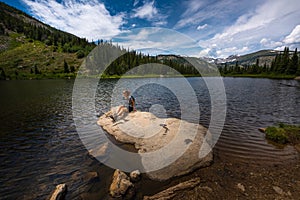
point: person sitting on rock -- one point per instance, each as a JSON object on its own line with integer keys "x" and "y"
{"x": 123, "y": 109}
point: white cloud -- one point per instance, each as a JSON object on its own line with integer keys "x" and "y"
{"x": 205, "y": 52}
{"x": 201, "y": 27}
{"x": 88, "y": 19}
{"x": 294, "y": 36}
{"x": 268, "y": 43}
{"x": 135, "y": 2}
{"x": 265, "y": 26}
{"x": 151, "y": 40}
{"x": 264, "y": 41}
{"x": 291, "y": 40}
{"x": 147, "y": 11}
{"x": 197, "y": 12}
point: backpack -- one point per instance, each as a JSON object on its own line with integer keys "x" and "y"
{"x": 131, "y": 101}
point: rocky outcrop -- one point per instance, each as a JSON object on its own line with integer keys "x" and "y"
{"x": 120, "y": 184}
{"x": 172, "y": 192}
{"x": 151, "y": 134}
{"x": 59, "y": 192}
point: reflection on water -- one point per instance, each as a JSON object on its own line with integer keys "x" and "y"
{"x": 41, "y": 148}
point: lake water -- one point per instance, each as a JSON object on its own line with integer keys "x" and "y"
{"x": 40, "y": 147}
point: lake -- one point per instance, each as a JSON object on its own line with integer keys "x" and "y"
{"x": 40, "y": 147}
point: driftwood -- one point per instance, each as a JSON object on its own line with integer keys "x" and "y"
{"x": 59, "y": 192}
{"x": 171, "y": 192}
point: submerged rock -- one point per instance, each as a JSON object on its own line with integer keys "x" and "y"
{"x": 241, "y": 187}
{"x": 100, "y": 151}
{"x": 181, "y": 142}
{"x": 120, "y": 184}
{"x": 90, "y": 177}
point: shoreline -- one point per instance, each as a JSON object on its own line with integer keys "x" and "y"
{"x": 228, "y": 178}
{"x": 73, "y": 77}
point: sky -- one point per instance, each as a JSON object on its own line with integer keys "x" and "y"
{"x": 201, "y": 28}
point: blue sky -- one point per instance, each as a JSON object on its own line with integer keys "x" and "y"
{"x": 217, "y": 28}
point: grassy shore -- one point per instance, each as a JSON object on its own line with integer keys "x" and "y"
{"x": 284, "y": 134}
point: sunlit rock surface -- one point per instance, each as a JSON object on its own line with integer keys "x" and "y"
{"x": 168, "y": 147}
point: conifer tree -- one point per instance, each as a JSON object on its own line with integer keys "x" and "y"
{"x": 293, "y": 64}
{"x": 66, "y": 67}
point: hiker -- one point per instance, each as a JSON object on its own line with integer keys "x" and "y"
{"x": 123, "y": 109}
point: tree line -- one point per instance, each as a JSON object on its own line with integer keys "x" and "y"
{"x": 131, "y": 59}
{"x": 284, "y": 63}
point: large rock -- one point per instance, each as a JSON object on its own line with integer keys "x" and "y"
{"x": 171, "y": 192}
{"x": 176, "y": 142}
{"x": 120, "y": 184}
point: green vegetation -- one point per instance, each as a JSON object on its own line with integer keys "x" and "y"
{"x": 285, "y": 65}
{"x": 30, "y": 49}
{"x": 284, "y": 134}
{"x": 35, "y": 60}
{"x": 131, "y": 59}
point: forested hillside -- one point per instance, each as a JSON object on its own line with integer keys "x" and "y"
{"x": 31, "y": 49}
{"x": 284, "y": 64}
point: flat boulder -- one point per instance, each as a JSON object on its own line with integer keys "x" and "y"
{"x": 169, "y": 147}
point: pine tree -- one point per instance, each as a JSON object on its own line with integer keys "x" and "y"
{"x": 2, "y": 74}
{"x": 36, "y": 70}
{"x": 293, "y": 64}
{"x": 285, "y": 60}
{"x": 66, "y": 67}
{"x": 72, "y": 69}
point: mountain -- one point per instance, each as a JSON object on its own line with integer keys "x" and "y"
{"x": 264, "y": 56}
{"x": 32, "y": 49}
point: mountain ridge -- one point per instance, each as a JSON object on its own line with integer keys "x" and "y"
{"x": 30, "y": 49}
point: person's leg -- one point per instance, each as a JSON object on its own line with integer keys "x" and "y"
{"x": 115, "y": 115}
{"x": 120, "y": 110}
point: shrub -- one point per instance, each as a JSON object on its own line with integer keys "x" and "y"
{"x": 277, "y": 135}
{"x": 80, "y": 54}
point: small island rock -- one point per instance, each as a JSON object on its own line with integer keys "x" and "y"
{"x": 150, "y": 134}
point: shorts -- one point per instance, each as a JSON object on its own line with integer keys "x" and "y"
{"x": 130, "y": 109}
